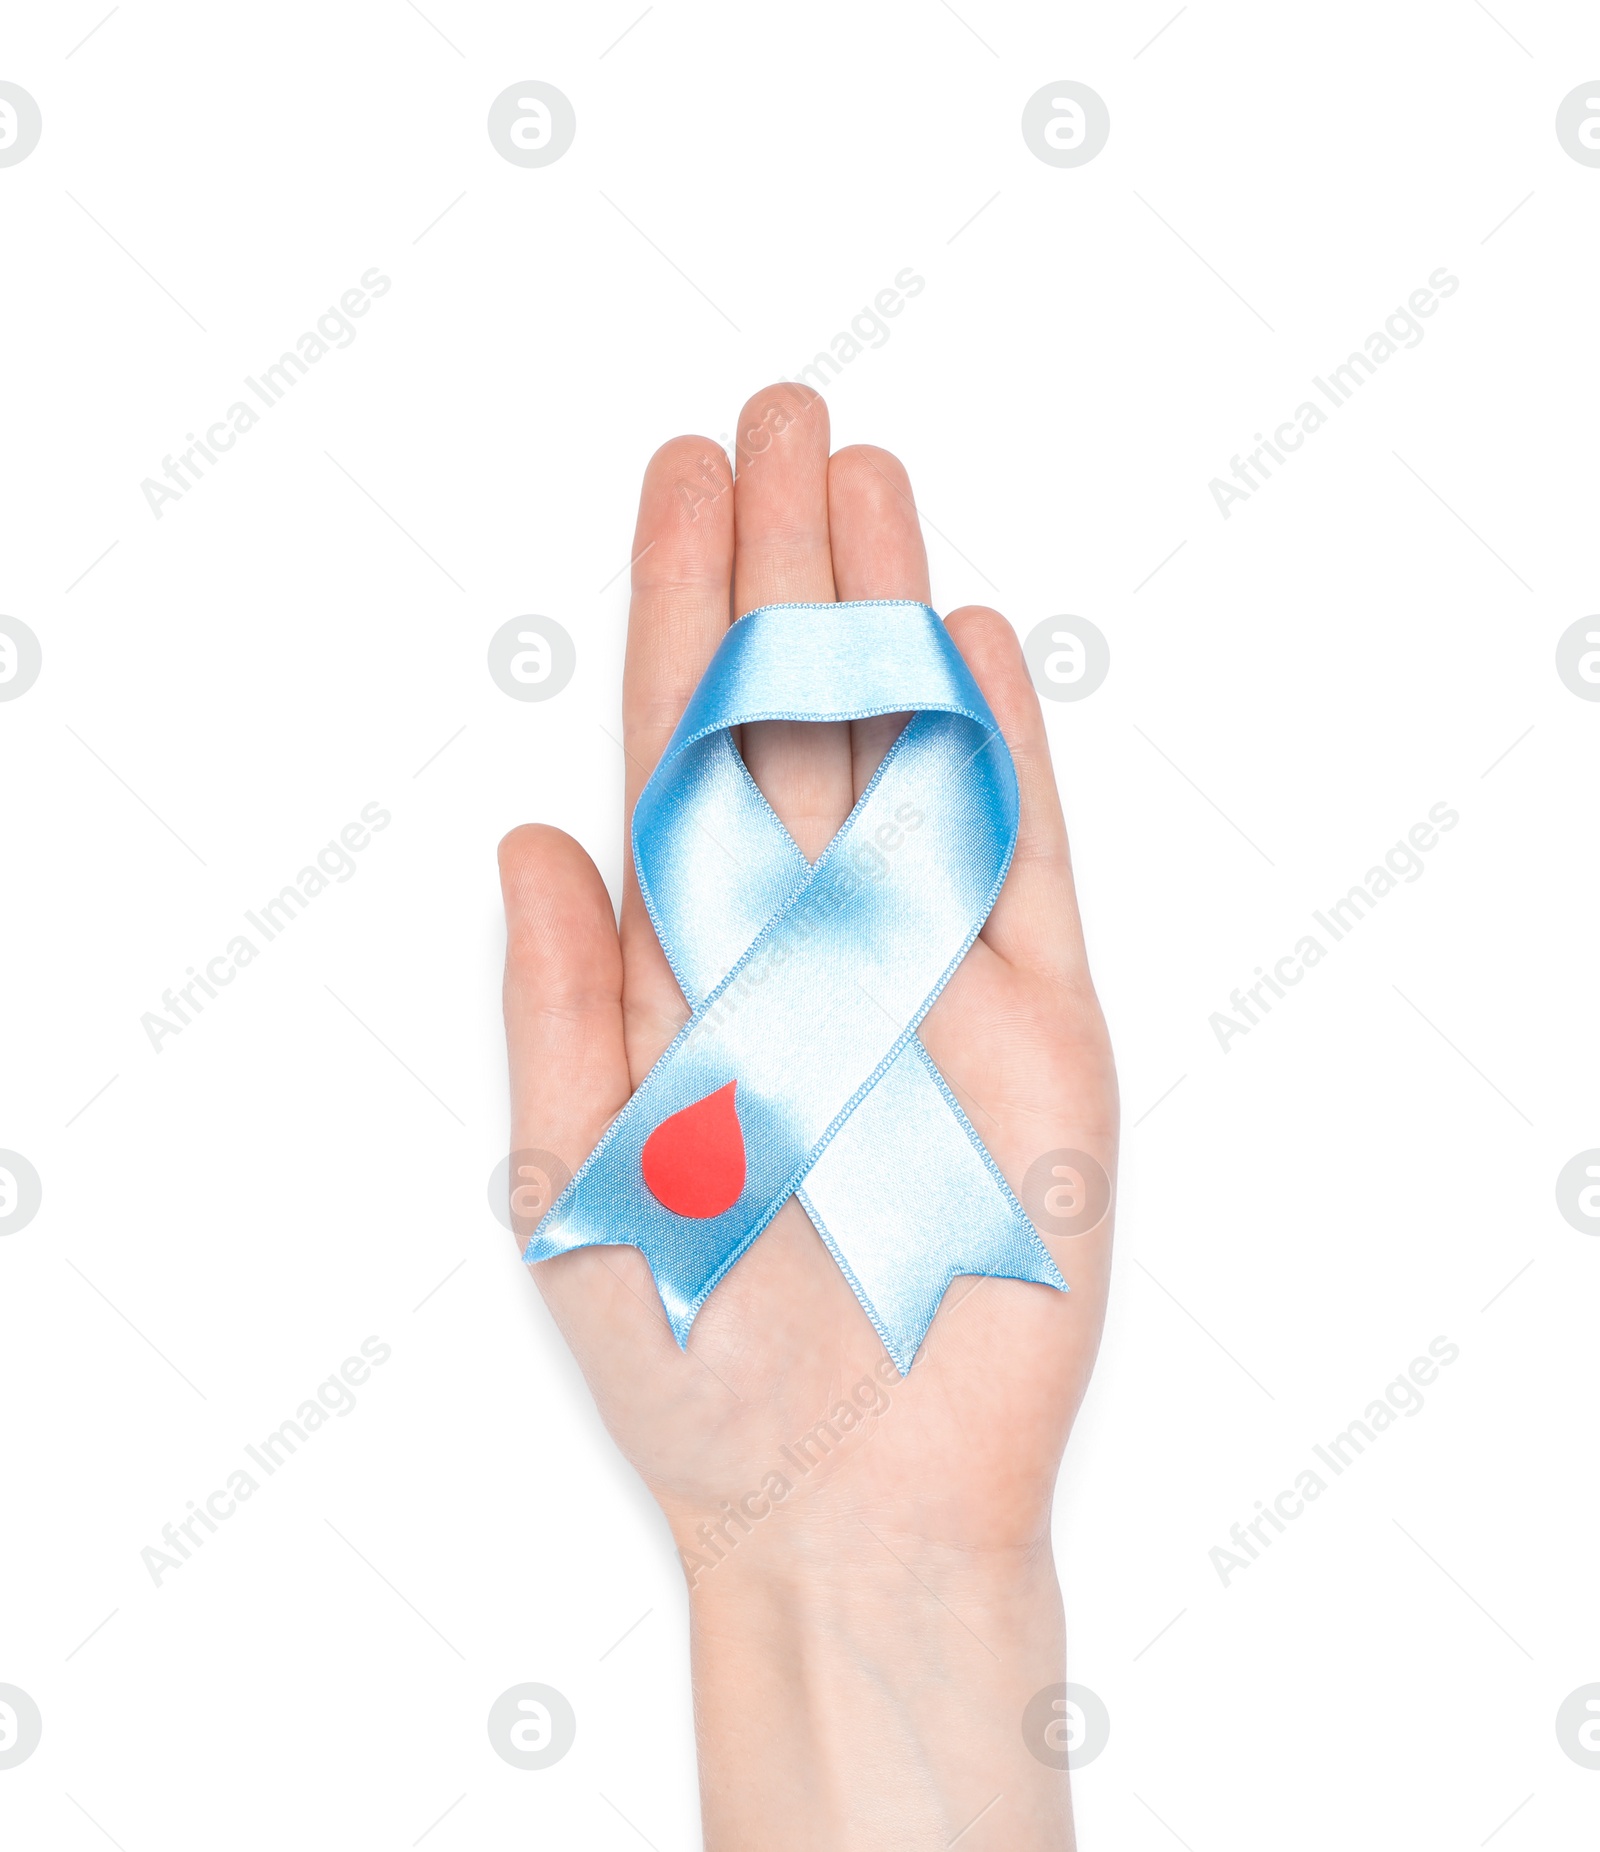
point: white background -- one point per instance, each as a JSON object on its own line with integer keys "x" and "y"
{"x": 306, "y": 1164}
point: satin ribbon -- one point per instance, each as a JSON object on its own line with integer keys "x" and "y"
{"x": 807, "y": 981}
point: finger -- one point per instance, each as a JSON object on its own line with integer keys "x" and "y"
{"x": 682, "y": 572}
{"x": 782, "y": 555}
{"x": 874, "y": 533}
{"x": 876, "y": 541}
{"x": 781, "y": 500}
{"x": 1035, "y": 921}
{"x": 568, "y": 1057}
{"x": 682, "y": 579}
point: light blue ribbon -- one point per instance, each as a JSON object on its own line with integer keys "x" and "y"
{"x": 807, "y": 981}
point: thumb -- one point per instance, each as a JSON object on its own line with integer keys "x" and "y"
{"x": 563, "y": 999}
{"x": 569, "y": 1080}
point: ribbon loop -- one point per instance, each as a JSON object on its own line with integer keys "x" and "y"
{"x": 807, "y": 981}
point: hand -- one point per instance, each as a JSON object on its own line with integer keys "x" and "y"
{"x": 865, "y": 1641}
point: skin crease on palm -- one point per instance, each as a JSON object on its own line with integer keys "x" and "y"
{"x": 943, "y": 1500}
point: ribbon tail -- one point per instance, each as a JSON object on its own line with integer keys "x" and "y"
{"x": 907, "y": 1199}
{"x": 683, "y": 1275}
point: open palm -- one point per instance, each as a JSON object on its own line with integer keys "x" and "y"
{"x": 960, "y": 1456}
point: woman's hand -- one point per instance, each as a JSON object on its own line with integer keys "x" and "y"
{"x": 872, "y": 1590}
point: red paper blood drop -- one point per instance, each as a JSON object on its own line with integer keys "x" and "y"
{"x": 693, "y": 1163}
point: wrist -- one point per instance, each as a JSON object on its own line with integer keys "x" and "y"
{"x": 861, "y": 1685}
